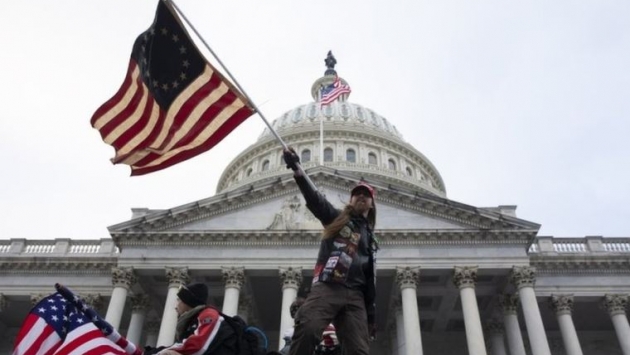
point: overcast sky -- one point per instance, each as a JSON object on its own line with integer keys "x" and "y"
{"x": 515, "y": 102}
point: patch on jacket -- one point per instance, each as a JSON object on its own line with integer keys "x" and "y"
{"x": 345, "y": 232}
{"x": 205, "y": 321}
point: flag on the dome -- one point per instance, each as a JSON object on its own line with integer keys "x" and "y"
{"x": 331, "y": 92}
{"x": 57, "y": 326}
{"x": 173, "y": 105}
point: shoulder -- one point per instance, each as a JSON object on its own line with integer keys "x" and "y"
{"x": 207, "y": 315}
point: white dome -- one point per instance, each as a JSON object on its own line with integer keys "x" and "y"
{"x": 356, "y": 140}
{"x": 339, "y": 113}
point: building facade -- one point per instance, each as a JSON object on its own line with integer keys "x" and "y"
{"x": 452, "y": 278}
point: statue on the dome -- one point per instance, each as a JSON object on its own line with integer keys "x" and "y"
{"x": 330, "y": 60}
{"x": 330, "y": 64}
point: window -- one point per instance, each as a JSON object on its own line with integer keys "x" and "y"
{"x": 372, "y": 159}
{"x": 351, "y": 156}
{"x": 306, "y": 156}
{"x": 409, "y": 171}
{"x": 328, "y": 154}
{"x": 249, "y": 172}
{"x": 392, "y": 164}
{"x": 265, "y": 165}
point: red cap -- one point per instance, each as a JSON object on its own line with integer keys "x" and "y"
{"x": 364, "y": 186}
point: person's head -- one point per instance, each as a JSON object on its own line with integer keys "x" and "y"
{"x": 361, "y": 203}
{"x": 295, "y": 306}
{"x": 191, "y": 296}
{"x": 362, "y": 198}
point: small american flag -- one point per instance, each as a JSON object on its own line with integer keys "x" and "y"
{"x": 56, "y": 326}
{"x": 173, "y": 105}
{"x": 331, "y": 92}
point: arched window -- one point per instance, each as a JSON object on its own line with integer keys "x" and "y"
{"x": 372, "y": 159}
{"x": 265, "y": 165}
{"x": 409, "y": 171}
{"x": 328, "y": 154}
{"x": 306, "y": 156}
{"x": 392, "y": 164}
{"x": 351, "y": 156}
{"x": 249, "y": 172}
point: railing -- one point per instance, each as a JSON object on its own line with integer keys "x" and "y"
{"x": 58, "y": 247}
{"x": 585, "y": 245}
{"x": 620, "y": 247}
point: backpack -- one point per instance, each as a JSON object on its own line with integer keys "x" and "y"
{"x": 235, "y": 337}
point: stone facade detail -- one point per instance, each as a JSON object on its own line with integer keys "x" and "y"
{"x": 615, "y": 303}
{"x": 523, "y": 276}
{"x": 152, "y": 326}
{"x": 3, "y": 302}
{"x": 290, "y": 277}
{"x": 407, "y": 277}
{"x": 493, "y": 326}
{"x": 561, "y": 304}
{"x": 123, "y": 277}
{"x": 509, "y": 303}
{"x": 140, "y": 302}
{"x": 465, "y": 276}
{"x": 36, "y": 297}
{"x": 233, "y": 277}
{"x": 397, "y": 303}
{"x": 94, "y": 300}
{"x": 177, "y": 276}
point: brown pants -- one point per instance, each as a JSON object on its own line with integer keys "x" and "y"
{"x": 335, "y": 303}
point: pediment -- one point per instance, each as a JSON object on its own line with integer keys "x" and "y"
{"x": 278, "y": 206}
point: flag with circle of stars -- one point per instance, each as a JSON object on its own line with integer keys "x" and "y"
{"x": 55, "y": 325}
{"x": 173, "y": 104}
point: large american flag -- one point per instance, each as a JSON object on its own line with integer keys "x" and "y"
{"x": 172, "y": 105}
{"x": 331, "y": 92}
{"x": 56, "y": 326}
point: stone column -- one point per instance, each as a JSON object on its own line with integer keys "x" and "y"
{"x": 524, "y": 278}
{"x": 94, "y": 300}
{"x": 244, "y": 307}
{"x": 176, "y": 278}
{"x": 616, "y": 305}
{"x": 291, "y": 279}
{"x": 494, "y": 329}
{"x": 152, "y": 328}
{"x": 464, "y": 278}
{"x": 509, "y": 305}
{"x": 122, "y": 279}
{"x": 407, "y": 279}
{"x": 234, "y": 279}
{"x": 400, "y": 328}
{"x": 139, "y": 306}
{"x": 562, "y": 305}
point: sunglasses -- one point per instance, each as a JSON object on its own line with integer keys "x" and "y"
{"x": 363, "y": 192}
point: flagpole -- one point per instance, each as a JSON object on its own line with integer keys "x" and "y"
{"x": 321, "y": 130}
{"x": 227, "y": 71}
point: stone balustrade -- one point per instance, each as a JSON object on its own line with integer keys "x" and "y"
{"x": 587, "y": 245}
{"x": 59, "y": 246}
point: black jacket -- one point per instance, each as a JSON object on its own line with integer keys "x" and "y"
{"x": 348, "y": 258}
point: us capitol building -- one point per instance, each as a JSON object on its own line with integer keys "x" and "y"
{"x": 452, "y": 278}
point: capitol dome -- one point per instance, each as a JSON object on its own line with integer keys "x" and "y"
{"x": 356, "y": 141}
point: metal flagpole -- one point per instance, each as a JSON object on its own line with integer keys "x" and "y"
{"x": 321, "y": 129}
{"x": 227, "y": 71}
